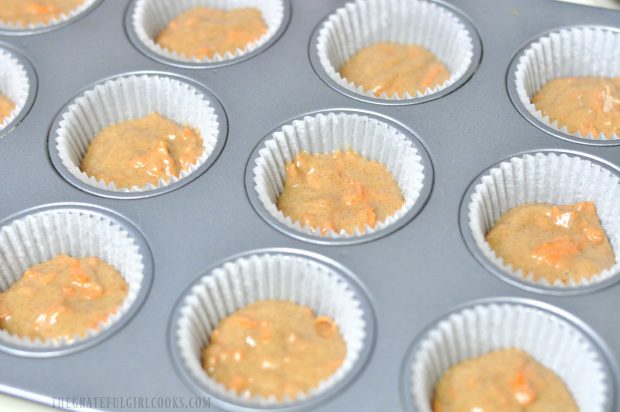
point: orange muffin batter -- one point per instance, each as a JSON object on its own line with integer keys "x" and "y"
{"x": 340, "y": 190}
{"x": 62, "y": 298}
{"x": 394, "y": 68}
{"x": 27, "y": 12}
{"x": 553, "y": 242}
{"x": 141, "y": 151}
{"x": 203, "y": 32}
{"x": 274, "y": 348}
{"x": 6, "y": 107}
{"x": 582, "y": 104}
{"x": 507, "y": 380}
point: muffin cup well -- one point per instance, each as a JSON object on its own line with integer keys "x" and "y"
{"x": 150, "y": 17}
{"x": 38, "y": 236}
{"x": 372, "y": 137}
{"x": 543, "y": 177}
{"x": 129, "y": 97}
{"x": 18, "y": 28}
{"x": 552, "y": 337}
{"x": 270, "y": 275}
{"x": 362, "y": 23}
{"x": 16, "y": 83}
{"x": 571, "y": 52}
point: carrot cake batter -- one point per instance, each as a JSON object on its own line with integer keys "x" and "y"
{"x": 274, "y": 348}
{"x": 339, "y": 190}
{"x": 142, "y": 151}
{"x": 26, "y": 12}
{"x": 394, "y": 68}
{"x": 6, "y": 107}
{"x": 507, "y": 380}
{"x": 203, "y": 32}
{"x": 62, "y": 298}
{"x": 553, "y": 242}
{"x": 582, "y": 104}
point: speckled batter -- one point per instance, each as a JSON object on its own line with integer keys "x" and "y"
{"x": 62, "y": 298}
{"x": 394, "y": 68}
{"x": 6, "y": 107}
{"x": 142, "y": 151}
{"x": 26, "y": 12}
{"x": 503, "y": 381}
{"x": 274, "y": 348}
{"x": 553, "y": 242}
{"x": 582, "y": 104}
{"x": 203, "y": 32}
{"x": 340, "y": 190}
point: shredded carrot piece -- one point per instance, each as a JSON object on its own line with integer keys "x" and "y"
{"x": 36, "y": 8}
{"x": 523, "y": 391}
{"x": 554, "y": 253}
{"x": 324, "y": 326}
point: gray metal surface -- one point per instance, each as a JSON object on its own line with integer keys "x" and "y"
{"x": 412, "y": 275}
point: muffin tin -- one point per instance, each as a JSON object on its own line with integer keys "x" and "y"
{"x": 405, "y": 278}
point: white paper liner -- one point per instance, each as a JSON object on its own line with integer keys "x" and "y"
{"x": 42, "y": 236}
{"x": 127, "y": 98}
{"x": 362, "y": 23}
{"x": 326, "y": 133}
{"x": 484, "y": 328}
{"x": 7, "y": 25}
{"x": 545, "y": 178}
{"x": 239, "y": 283}
{"x": 573, "y": 52}
{"x": 150, "y": 17}
{"x": 14, "y": 84}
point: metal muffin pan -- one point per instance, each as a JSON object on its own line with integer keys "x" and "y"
{"x": 411, "y": 275}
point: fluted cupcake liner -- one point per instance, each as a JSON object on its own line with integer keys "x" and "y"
{"x": 327, "y": 133}
{"x": 150, "y": 17}
{"x": 41, "y": 236}
{"x": 14, "y": 84}
{"x": 17, "y": 26}
{"x": 571, "y": 52}
{"x": 126, "y": 98}
{"x": 269, "y": 276}
{"x": 483, "y": 328}
{"x": 545, "y": 178}
{"x": 362, "y": 23}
